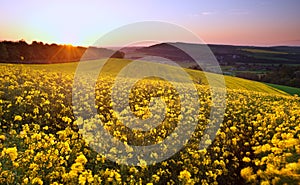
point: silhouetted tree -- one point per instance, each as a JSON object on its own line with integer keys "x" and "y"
{"x": 3, "y": 52}
{"x": 38, "y": 52}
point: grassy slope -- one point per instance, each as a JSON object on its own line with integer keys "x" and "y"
{"x": 231, "y": 82}
{"x": 287, "y": 89}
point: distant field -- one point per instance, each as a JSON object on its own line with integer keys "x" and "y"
{"x": 271, "y": 56}
{"x": 287, "y": 89}
{"x": 264, "y": 51}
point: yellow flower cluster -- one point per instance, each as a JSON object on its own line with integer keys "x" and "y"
{"x": 185, "y": 177}
{"x": 11, "y": 152}
{"x": 40, "y": 143}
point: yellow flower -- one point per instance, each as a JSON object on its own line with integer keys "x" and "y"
{"x": 246, "y": 159}
{"x": 36, "y": 110}
{"x": 55, "y": 183}
{"x": 47, "y": 102}
{"x": 72, "y": 173}
{"x": 266, "y": 148}
{"x": 2, "y": 137}
{"x": 47, "y": 115}
{"x": 118, "y": 177}
{"x": 208, "y": 142}
{"x": 142, "y": 163}
{"x": 81, "y": 159}
{"x": 184, "y": 175}
{"x": 37, "y": 180}
{"x": 15, "y": 164}
{"x": 90, "y": 178}
{"x": 81, "y": 179}
{"x": 265, "y": 183}
{"x": 234, "y": 141}
{"x": 33, "y": 166}
{"x": 133, "y": 170}
{"x": 247, "y": 174}
{"x": 66, "y": 119}
{"x": 18, "y": 118}
{"x": 12, "y": 152}
{"x": 155, "y": 178}
{"x": 77, "y": 167}
{"x": 25, "y": 181}
{"x": 233, "y": 129}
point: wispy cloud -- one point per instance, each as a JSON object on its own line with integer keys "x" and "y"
{"x": 204, "y": 13}
{"x": 208, "y": 13}
{"x": 238, "y": 12}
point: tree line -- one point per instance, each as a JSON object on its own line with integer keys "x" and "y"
{"x": 38, "y": 52}
{"x": 288, "y": 75}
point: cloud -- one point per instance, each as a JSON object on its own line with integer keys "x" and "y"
{"x": 238, "y": 12}
{"x": 205, "y": 13}
{"x": 208, "y": 13}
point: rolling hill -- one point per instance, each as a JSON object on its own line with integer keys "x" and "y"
{"x": 113, "y": 66}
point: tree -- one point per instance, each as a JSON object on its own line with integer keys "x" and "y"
{"x": 3, "y": 52}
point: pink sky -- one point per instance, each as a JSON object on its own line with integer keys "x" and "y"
{"x": 256, "y": 22}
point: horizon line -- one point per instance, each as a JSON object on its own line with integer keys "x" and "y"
{"x": 223, "y": 44}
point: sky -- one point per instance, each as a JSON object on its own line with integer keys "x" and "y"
{"x": 237, "y": 22}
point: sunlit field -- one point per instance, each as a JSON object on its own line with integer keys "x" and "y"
{"x": 41, "y": 143}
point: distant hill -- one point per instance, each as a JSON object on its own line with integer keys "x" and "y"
{"x": 225, "y": 54}
{"x": 40, "y": 53}
{"x": 277, "y": 64}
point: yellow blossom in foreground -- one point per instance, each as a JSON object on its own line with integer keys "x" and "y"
{"x": 75, "y": 168}
{"x": 12, "y": 152}
{"x": 2, "y": 137}
{"x": 82, "y": 179}
{"x": 37, "y": 180}
{"x": 25, "y": 181}
{"x": 247, "y": 174}
{"x": 142, "y": 163}
{"x": 36, "y": 110}
{"x": 184, "y": 175}
{"x": 18, "y": 118}
{"x": 259, "y": 130}
{"x": 246, "y": 159}
{"x": 265, "y": 183}
{"x": 81, "y": 159}
{"x": 155, "y": 178}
